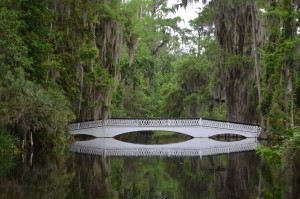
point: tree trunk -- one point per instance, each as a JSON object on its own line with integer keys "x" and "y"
{"x": 289, "y": 33}
{"x": 256, "y": 63}
{"x": 231, "y": 100}
{"x": 257, "y": 71}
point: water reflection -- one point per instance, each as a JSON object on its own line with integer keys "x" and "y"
{"x": 162, "y": 143}
{"x": 76, "y": 175}
{"x": 37, "y": 176}
{"x": 194, "y": 147}
{"x": 238, "y": 175}
{"x": 83, "y": 137}
{"x": 228, "y": 137}
{"x": 153, "y": 137}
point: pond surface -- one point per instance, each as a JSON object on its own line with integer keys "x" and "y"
{"x": 73, "y": 175}
{"x": 153, "y": 137}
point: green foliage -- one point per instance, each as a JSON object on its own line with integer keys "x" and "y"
{"x": 273, "y": 154}
{"x": 8, "y": 143}
{"x": 27, "y": 107}
{"x": 190, "y": 96}
{"x": 173, "y": 106}
{"x": 276, "y": 194}
{"x": 117, "y": 104}
{"x": 139, "y": 105}
{"x": 53, "y": 49}
{"x": 292, "y": 145}
{"x": 88, "y": 53}
{"x": 13, "y": 51}
{"x": 278, "y": 60}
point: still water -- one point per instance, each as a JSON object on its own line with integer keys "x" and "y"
{"x": 73, "y": 175}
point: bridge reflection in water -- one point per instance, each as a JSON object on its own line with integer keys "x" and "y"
{"x": 194, "y": 147}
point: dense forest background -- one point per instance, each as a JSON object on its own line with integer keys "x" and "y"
{"x": 63, "y": 61}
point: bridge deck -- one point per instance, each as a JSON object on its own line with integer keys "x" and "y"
{"x": 194, "y": 127}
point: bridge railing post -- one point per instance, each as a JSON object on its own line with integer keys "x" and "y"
{"x": 200, "y": 122}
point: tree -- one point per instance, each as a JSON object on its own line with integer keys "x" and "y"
{"x": 278, "y": 58}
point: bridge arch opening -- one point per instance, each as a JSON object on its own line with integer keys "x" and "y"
{"x": 227, "y": 137}
{"x": 153, "y": 137}
{"x": 83, "y": 137}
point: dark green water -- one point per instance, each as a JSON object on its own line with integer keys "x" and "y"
{"x": 239, "y": 175}
{"x": 153, "y": 137}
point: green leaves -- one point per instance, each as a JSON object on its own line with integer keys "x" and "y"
{"x": 7, "y": 144}
{"x": 13, "y": 51}
{"x": 27, "y": 107}
{"x": 272, "y": 154}
{"x": 88, "y": 53}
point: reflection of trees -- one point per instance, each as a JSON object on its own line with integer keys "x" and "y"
{"x": 225, "y": 176}
{"x": 6, "y": 162}
{"x": 240, "y": 175}
{"x": 45, "y": 177}
{"x": 153, "y": 137}
{"x": 145, "y": 178}
{"x": 292, "y": 175}
{"x": 280, "y": 179}
{"x": 100, "y": 177}
{"x": 93, "y": 177}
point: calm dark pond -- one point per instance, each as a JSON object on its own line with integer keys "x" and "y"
{"x": 238, "y": 175}
{"x": 153, "y": 137}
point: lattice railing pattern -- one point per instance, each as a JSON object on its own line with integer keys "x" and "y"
{"x": 166, "y": 122}
{"x": 163, "y": 152}
{"x": 228, "y": 125}
{"x": 85, "y": 125}
{"x": 151, "y": 122}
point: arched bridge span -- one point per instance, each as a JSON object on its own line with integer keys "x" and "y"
{"x": 197, "y": 128}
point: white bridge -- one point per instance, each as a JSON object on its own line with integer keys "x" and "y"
{"x": 197, "y": 128}
{"x": 195, "y": 147}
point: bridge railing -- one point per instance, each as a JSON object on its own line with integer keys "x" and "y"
{"x": 151, "y": 122}
{"x": 163, "y": 152}
{"x": 166, "y": 122}
{"x": 229, "y": 125}
{"x": 85, "y": 125}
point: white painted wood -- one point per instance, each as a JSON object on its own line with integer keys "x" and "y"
{"x": 193, "y": 127}
{"x": 194, "y": 147}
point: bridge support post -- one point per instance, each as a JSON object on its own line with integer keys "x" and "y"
{"x": 136, "y": 122}
{"x": 200, "y": 122}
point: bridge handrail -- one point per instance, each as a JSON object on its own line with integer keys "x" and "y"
{"x": 85, "y": 125}
{"x": 166, "y": 122}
